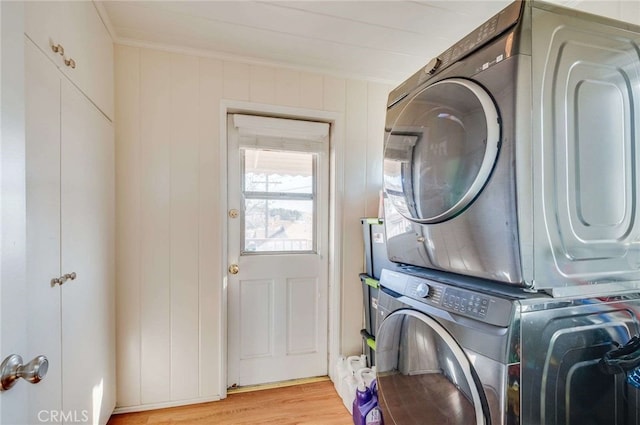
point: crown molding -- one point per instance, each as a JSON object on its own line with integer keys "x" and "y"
{"x": 171, "y": 48}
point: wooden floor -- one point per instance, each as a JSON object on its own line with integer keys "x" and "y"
{"x": 315, "y": 403}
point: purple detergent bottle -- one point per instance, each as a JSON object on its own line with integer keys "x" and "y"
{"x": 365, "y": 406}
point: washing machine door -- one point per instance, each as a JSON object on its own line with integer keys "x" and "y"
{"x": 441, "y": 150}
{"x": 424, "y": 377}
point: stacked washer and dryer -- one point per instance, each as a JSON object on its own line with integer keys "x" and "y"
{"x": 512, "y": 190}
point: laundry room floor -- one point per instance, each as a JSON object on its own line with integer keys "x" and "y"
{"x": 314, "y": 403}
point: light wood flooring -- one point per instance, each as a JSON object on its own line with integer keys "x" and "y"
{"x": 314, "y": 403}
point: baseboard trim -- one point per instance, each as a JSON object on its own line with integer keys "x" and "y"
{"x": 155, "y": 406}
{"x": 281, "y": 384}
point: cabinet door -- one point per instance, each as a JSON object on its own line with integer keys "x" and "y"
{"x": 42, "y": 104}
{"x": 43, "y": 25}
{"x": 77, "y": 26}
{"x": 89, "y": 44}
{"x": 87, "y": 220}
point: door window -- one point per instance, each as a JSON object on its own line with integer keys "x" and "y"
{"x": 278, "y": 189}
{"x": 441, "y": 150}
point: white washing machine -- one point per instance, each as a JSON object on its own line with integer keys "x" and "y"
{"x": 449, "y": 353}
{"x": 514, "y": 155}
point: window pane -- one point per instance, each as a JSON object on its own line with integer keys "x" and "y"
{"x": 278, "y": 172}
{"x": 278, "y": 225}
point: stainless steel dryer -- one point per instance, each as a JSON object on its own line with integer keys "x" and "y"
{"x": 514, "y": 154}
{"x": 449, "y": 353}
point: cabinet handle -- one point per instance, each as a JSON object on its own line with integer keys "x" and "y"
{"x": 57, "y": 48}
{"x": 70, "y": 62}
{"x": 62, "y": 279}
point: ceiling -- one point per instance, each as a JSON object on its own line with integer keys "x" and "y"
{"x": 384, "y": 41}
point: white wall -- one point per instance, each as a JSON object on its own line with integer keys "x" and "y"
{"x": 169, "y": 269}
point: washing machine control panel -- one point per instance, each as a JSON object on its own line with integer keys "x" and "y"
{"x": 466, "y": 302}
{"x": 473, "y": 304}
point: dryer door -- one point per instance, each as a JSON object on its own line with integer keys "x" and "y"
{"x": 424, "y": 376}
{"x": 440, "y": 151}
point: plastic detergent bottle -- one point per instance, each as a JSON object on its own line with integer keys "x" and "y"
{"x": 351, "y": 379}
{"x": 357, "y": 362}
{"x": 342, "y": 371}
{"x": 366, "y": 375}
{"x": 365, "y": 406}
{"x": 374, "y": 417}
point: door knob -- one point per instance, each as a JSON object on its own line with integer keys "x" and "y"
{"x": 234, "y": 269}
{"x": 12, "y": 368}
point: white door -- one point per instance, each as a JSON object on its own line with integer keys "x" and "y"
{"x": 277, "y": 249}
{"x": 42, "y": 112}
{"x": 87, "y": 249}
{"x": 13, "y": 294}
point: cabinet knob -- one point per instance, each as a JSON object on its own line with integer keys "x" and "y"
{"x": 12, "y": 369}
{"x": 57, "y": 48}
{"x": 62, "y": 279}
{"x": 70, "y": 62}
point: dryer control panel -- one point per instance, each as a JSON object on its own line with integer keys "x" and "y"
{"x": 495, "y": 26}
{"x": 473, "y": 304}
{"x": 490, "y": 30}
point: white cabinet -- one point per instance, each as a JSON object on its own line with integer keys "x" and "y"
{"x": 42, "y": 115}
{"x": 70, "y": 229}
{"x": 87, "y": 195}
{"x": 77, "y": 31}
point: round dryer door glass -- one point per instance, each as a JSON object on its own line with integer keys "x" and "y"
{"x": 424, "y": 376}
{"x": 440, "y": 151}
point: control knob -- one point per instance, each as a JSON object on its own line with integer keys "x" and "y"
{"x": 432, "y": 66}
{"x": 422, "y": 290}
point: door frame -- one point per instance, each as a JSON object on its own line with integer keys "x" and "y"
{"x": 336, "y": 165}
